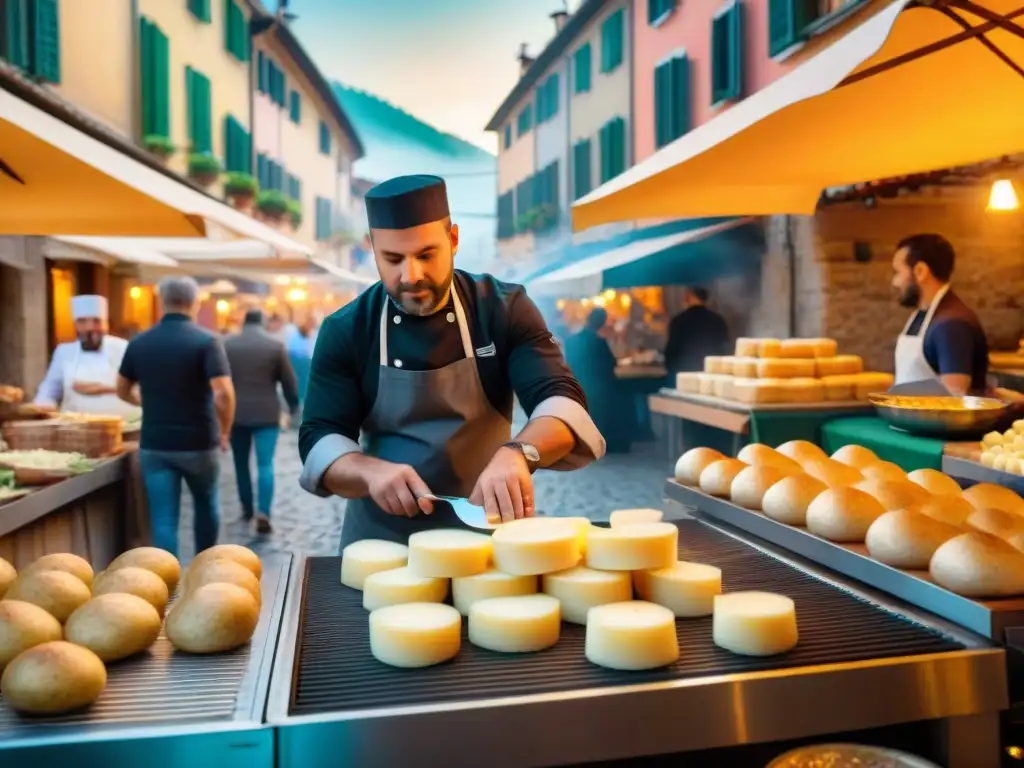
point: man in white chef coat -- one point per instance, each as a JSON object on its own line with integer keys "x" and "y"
{"x": 83, "y": 374}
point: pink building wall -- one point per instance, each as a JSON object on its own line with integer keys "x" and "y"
{"x": 266, "y": 134}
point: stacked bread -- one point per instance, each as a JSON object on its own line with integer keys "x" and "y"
{"x": 971, "y": 542}
{"x": 515, "y": 588}
{"x": 785, "y": 371}
{"x": 1004, "y": 451}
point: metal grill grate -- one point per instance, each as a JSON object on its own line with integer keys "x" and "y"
{"x": 335, "y": 671}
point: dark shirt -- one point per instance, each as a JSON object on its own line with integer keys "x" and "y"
{"x": 258, "y": 363}
{"x": 173, "y": 363}
{"x": 694, "y": 334}
{"x": 955, "y": 340}
{"x": 515, "y": 354}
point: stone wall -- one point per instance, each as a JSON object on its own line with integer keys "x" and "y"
{"x": 24, "y": 343}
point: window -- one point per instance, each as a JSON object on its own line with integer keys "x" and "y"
{"x": 613, "y": 148}
{"x": 671, "y": 100}
{"x": 30, "y": 36}
{"x": 581, "y": 169}
{"x": 582, "y": 65}
{"x": 269, "y": 173}
{"x": 613, "y": 34}
{"x": 506, "y": 216}
{"x": 294, "y": 188}
{"x": 325, "y": 139}
{"x": 727, "y": 53}
{"x": 237, "y": 146}
{"x": 270, "y": 79}
{"x": 525, "y": 120}
{"x": 658, "y": 10}
{"x": 155, "y": 76}
{"x": 547, "y": 99}
{"x": 545, "y": 186}
{"x": 524, "y": 201}
{"x": 295, "y": 107}
{"x": 200, "y": 111}
{"x": 236, "y": 31}
{"x": 787, "y": 22}
{"x": 200, "y": 9}
{"x": 324, "y": 223}
{"x": 508, "y": 135}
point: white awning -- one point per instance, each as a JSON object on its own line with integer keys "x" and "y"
{"x": 106, "y": 251}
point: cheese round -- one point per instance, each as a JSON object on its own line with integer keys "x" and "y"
{"x": 402, "y": 585}
{"x": 368, "y": 556}
{"x": 630, "y": 636}
{"x": 515, "y": 624}
{"x": 492, "y": 583}
{"x": 935, "y": 482}
{"x": 579, "y": 589}
{"x": 949, "y": 509}
{"x": 788, "y": 499}
{"x": 833, "y": 473}
{"x": 754, "y": 623}
{"x": 536, "y": 545}
{"x": 693, "y": 462}
{"x": 621, "y": 517}
{"x": 894, "y": 494}
{"x": 855, "y": 456}
{"x": 449, "y": 552}
{"x": 883, "y": 470}
{"x": 979, "y": 565}
{"x": 634, "y": 547}
{"x": 717, "y": 477}
{"x": 582, "y": 525}
{"x": 991, "y": 496}
{"x": 843, "y": 514}
{"x": 757, "y": 454}
{"x": 750, "y": 485}
{"x": 996, "y": 522}
{"x": 415, "y": 634}
{"x": 801, "y": 451}
{"x": 906, "y": 538}
{"x": 686, "y": 589}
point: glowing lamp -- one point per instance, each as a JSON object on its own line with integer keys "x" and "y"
{"x": 1003, "y": 197}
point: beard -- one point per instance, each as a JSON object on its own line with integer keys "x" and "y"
{"x": 437, "y": 295}
{"x": 90, "y": 340}
{"x": 910, "y": 296}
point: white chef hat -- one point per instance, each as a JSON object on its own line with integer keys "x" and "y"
{"x": 89, "y": 306}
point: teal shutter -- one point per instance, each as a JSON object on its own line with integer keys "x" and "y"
{"x": 656, "y": 9}
{"x": 236, "y": 31}
{"x": 238, "y": 146}
{"x": 324, "y": 223}
{"x": 325, "y": 139}
{"x": 542, "y": 93}
{"x": 663, "y": 104}
{"x": 261, "y": 170}
{"x": 787, "y": 22}
{"x": 613, "y": 149}
{"x": 553, "y": 95}
{"x": 295, "y": 107}
{"x": 679, "y": 98}
{"x": 581, "y": 169}
{"x": 524, "y": 120}
{"x": 15, "y": 28}
{"x": 261, "y": 72}
{"x": 200, "y": 111}
{"x": 46, "y": 40}
{"x": 200, "y": 9}
{"x": 612, "y": 41}
{"x": 508, "y": 135}
{"x": 155, "y": 70}
{"x": 294, "y": 188}
{"x": 582, "y": 66}
{"x": 727, "y": 55}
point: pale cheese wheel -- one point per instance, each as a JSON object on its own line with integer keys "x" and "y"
{"x": 801, "y": 451}
{"x": 749, "y": 486}
{"x": 688, "y": 381}
{"x": 717, "y": 477}
{"x": 632, "y": 635}
{"x": 621, "y": 517}
{"x": 906, "y": 538}
{"x": 855, "y": 456}
{"x": 402, "y": 585}
{"x": 843, "y": 514}
{"x": 368, "y": 556}
{"x": 449, "y": 552}
{"x": 979, "y": 565}
{"x": 754, "y": 623}
{"x": 787, "y": 501}
{"x": 953, "y": 510}
{"x": 467, "y": 590}
{"x": 686, "y": 589}
{"x": 991, "y": 496}
{"x": 415, "y": 634}
{"x": 894, "y": 494}
{"x": 536, "y": 545}
{"x": 515, "y": 624}
{"x": 747, "y": 347}
{"x": 634, "y": 547}
{"x": 833, "y": 473}
{"x": 582, "y": 525}
{"x": 757, "y": 454}
{"x": 935, "y": 482}
{"x": 883, "y": 470}
{"x": 996, "y": 522}
{"x": 693, "y": 462}
{"x": 579, "y": 589}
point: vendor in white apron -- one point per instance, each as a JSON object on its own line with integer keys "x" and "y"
{"x": 82, "y": 377}
{"x": 423, "y": 367}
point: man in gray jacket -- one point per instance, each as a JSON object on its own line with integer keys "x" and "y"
{"x": 258, "y": 363}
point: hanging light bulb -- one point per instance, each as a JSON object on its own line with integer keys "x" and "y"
{"x": 1003, "y": 197}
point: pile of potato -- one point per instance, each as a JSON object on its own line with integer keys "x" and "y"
{"x": 1005, "y": 450}
{"x": 60, "y": 623}
{"x": 970, "y": 541}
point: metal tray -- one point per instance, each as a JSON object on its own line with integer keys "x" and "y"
{"x": 975, "y": 416}
{"x": 988, "y": 618}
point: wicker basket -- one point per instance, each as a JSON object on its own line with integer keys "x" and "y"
{"x": 32, "y": 435}
{"x": 95, "y": 438}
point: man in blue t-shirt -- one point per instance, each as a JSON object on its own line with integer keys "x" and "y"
{"x": 943, "y": 340}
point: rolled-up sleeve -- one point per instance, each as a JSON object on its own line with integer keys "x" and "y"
{"x": 544, "y": 383}
{"x": 332, "y": 411}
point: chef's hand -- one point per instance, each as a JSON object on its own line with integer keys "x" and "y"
{"x": 397, "y": 489}
{"x": 505, "y": 488}
{"x": 92, "y": 388}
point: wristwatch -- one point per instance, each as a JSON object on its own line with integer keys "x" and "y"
{"x": 530, "y": 453}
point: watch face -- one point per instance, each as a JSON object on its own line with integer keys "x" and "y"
{"x": 531, "y": 453}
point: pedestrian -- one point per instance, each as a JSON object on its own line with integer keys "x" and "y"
{"x": 693, "y": 334}
{"x": 259, "y": 363}
{"x": 300, "y": 352}
{"x": 591, "y": 359}
{"x": 184, "y": 380}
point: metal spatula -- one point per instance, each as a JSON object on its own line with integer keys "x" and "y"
{"x": 470, "y": 514}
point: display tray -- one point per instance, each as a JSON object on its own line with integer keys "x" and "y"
{"x": 163, "y": 687}
{"x": 333, "y": 670}
{"x": 988, "y": 618}
{"x": 965, "y": 469}
{"x": 735, "y": 405}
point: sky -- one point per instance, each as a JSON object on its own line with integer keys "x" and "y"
{"x": 448, "y": 62}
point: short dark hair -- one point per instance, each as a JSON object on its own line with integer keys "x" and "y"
{"x": 701, "y": 294}
{"x": 933, "y": 250}
{"x": 253, "y": 316}
{"x": 596, "y": 319}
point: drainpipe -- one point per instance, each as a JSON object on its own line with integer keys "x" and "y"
{"x": 135, "y": 76}
{"x": 790, "y": 245}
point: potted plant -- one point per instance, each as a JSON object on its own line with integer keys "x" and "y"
{"x": 241, "y": 189}
{"x": 160, "y": 146}
{"x": 203, "y": 168}
{"x": 295, "y": 213}
{"x": 272, "y": 205}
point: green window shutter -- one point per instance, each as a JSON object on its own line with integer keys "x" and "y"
{"x": 200, "y": 9}
{"x": 325, "y": 139}
{"x": 238, "y": 146}
{"x": 16, "y": 42}
{"x": 553, "y": 95}
{"x": 679, "y": 98}
{"x": 618, "y": 146}
{"x": 46, "y": 40}
{"x": 295, "y": 107}
{"x": 146, "y": 74}
{"x": 261, "y": 170}
{"x": 155, "y": 74}
{"x": 261, "y": 72}
{"x": 787, "y": 21}
{"x": 508, "y": 135}
{"x": 294, "y": 188}
{"x": 612, "y": 41}
{"x": 582, "y": 66}
{"x": 236, "y": 31}
{"x": 200, "y": 112}
{"x": 324, "y": 223}
{"x": 230, "y": 144}
{"x": 541, "y": 96}
{"x": 656, "y": 9}
{"x": 663, "y": 104}
{"x": 727, "y": 55}
{"x": 581, "y": 169}
{"x": 524, "y": 121}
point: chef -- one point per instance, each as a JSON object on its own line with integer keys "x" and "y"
{"x": 424, "y": 366}
{"x": 82, "y": 376}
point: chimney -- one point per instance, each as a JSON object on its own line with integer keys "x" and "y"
{"x": 560, "y": 18}
{"x": 525, "y": 60}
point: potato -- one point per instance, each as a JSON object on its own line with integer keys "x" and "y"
{"x": 159, "y": 561}
{"x": 52, "y": 678}
{"x": 7, "y": 576}
{"x": 23, "y": 625}
{"x": 212, "y": 619}
{"x": 56, "y": 592}
{"x": 242, "y": 555}
{"x": 114, "y": 626}
{"x": 64, "y": 561}
{"x": 220, "y": 570}
{"x": 134, "y": 581}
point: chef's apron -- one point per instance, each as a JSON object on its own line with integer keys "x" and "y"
{"x": 439, "y": 422}
{"x": 94, "y": 368}
{"x": 911, "y": 364}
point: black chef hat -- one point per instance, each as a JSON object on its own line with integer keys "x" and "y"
{"x": 407, "y": 201}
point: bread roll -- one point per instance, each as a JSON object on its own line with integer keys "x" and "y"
{"x": 750, "y": 485}
{"x": 7, "y": 576}
{"x": 220, "y": 570}
{"x": 935, "y": 482}
{"x": 855, "y": 456}
{"x": 717, "y": 477}
{"x": 159, "y": 561}
{"x": 134, "y": 581}
{"x": 66, "y": 562}
{"x": 53, "y": 678}
{"x": 801, "y": 451}
{"x": 756, "y": 454}
{"x": 905, "y": 538}
{"x": 953, "y": 510}
{"x": 693, "y": 462}
{"x": 832, "y": 473}
{"x": 787, "y": 501}
{"x": 22, "y": 626}
{"x": 843, "y": 514}
{"x": 991, "y": 496}
{"x": 114, "y": 626}
{"x": 56, "y": 592}
{"x": 979, "y": 565}
{"x": 894, "y": 494}
{"x": 883, "y": 470}
{"x": 996, "y": 522}
{"x": 236, "y": 552}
